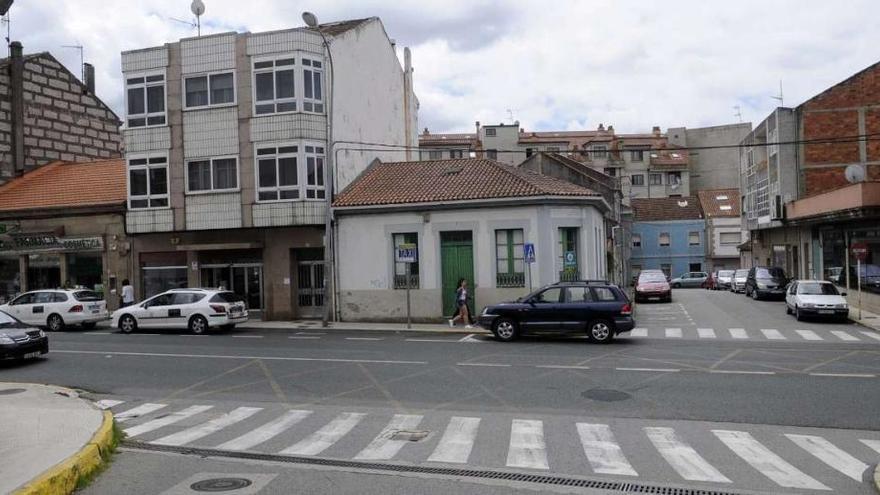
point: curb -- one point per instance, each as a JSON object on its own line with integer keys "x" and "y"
{"x": 877, "y": 477}
{"x": 462, "y": 330}
{"x": 62, "y": 478}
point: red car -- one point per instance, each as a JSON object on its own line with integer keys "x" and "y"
{"x": 653, "y": 285}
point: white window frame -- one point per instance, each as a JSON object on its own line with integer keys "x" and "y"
{"x": 598, "y": 151}
{"x": 699, "y": 240}
{"x": 305, "y": 171}
{"x": 721, "y": 236}
{"x": 660, "y": 239}
{"x": 297, "y": 86}
{"x": 145, "y": 85}
{"x": 651, "y": 175}
{"x": 299, "y": 170}
{"x": 208, "y": 75}
{"x": 210, "y": 161}
{"x": 636, "y": 238}
{"x": 632, "y": 180}
{"x": 147, "y": 166}
{"x": 302, "y": 68}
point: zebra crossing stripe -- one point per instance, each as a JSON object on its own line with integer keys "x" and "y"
{"x": 527, "y": 447}
{"x": 706, "y": 333}
{"x": 384, "y": 447}
{"x": 639, "y": 332}
{"x": 764, "y": 460}
{"x": 673, "y": 333}
{"x": 682, "y": 457}
{"x": 809, "y": 335}
{"x": 108, "y": 403}
{"x": 773, "y": 334}
{"x": 738, "y": 333}
{"x": 840, "y": 334}
{"x": 137, "y": 412}
{"x": 603, "y": 451}
{"x": 213, "y": 426}
{"x": 329, "y": 434}
{"x": 830, "y": 454}
{"x": 265, "y": 432}
{"x": 166, "y": 420}
{"x": 874, "y": 444}
{"x": 457, "y": 442}
{"x": 873, "y": 335}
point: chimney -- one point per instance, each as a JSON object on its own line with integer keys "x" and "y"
{"x": 611, "y": 129}
{"x": 477, "y": 123}
{"x": 16, "y": 81}
{"x": 656, "y": 130}
{"x": 89, "y": 76}
{"x": 601, "y": 127}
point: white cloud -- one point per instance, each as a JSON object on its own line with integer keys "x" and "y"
{"x": 556, "y": 65}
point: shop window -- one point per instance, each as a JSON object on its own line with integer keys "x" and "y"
{"x": 10, "y": 280}
{"x": 406, "y": 275}
{"x": 148, "y": 182}
{"x": 85, "y": 270}
{"x": 158, "y": 279}
{"x": 509, "y": 258}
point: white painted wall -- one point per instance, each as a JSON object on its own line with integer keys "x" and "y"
{"x": 725, "y": 224}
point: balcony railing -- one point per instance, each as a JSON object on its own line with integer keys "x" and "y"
{"x": 406, "y": 281}
{"x": 569, "y": 275}
{"x": 510, "y": 280}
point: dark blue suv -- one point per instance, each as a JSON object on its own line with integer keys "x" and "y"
{"x": 595, "y": 307}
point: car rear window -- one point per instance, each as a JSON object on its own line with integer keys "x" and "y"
{"x": 227, "y": 297}
{"x": 87, "y": 296}
{"x": 604, "y": 294}
{"x": 741, "y": 273}
{"x": 187, "y": 297}
{"x": 725, "y": 273}
{"x": 769, "y": 273}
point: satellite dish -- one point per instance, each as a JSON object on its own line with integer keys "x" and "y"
{"x": 855, "y": 173}
{"x": 197, "y": 7}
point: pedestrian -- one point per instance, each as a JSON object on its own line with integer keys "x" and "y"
{"x": 462, "y": 313}
{"x": 127, "y": 294}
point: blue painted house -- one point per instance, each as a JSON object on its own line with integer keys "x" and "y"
{"x": 668, "y": 234}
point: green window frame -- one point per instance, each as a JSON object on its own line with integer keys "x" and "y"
{"x": 509, "y": 258}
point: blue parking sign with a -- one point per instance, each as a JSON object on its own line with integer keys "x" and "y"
{"x": 529, "y": 252}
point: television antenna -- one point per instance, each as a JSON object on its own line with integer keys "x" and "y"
{"x": 197, "y": 7}
{"x": 779, "y": 96}
{"x": 738, "y": 114}
{"x": 82, "y": 69}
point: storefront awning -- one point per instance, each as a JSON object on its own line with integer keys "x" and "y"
{"x": 861, "y": 200}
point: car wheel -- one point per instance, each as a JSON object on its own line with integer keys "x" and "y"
{"x": 676, "y": 286}
{"x": 55, "y": 323}
{"x": 755, "y": 295}
{"x": 198, "y": 325}
{"x": 505, "y": 329}
{"x": 797, "y": 314}
{"x": 127, "y": 324}
{"x": 89, "y": 326}
{"x": 787, "y": 310}
{"x": 600, "y": 331}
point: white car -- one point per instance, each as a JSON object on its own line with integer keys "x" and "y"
{"x": 815, "y": 298}
{"x": 58, "y": 308}
{"x": 195, "y": 309}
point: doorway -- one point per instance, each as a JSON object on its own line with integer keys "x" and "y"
{"x": 245, "y": 280}
{"x": 456, "y": 262}
{"x": 310, "y": 289}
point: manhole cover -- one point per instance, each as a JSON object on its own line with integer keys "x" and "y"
{"x": 605, "y": 395}
{"x": 409, "y": 436}
{"x": 11, "y": 391}
{"x": 220, "y": 484}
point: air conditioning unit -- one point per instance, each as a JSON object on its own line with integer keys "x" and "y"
{"x": 775, "y": 207}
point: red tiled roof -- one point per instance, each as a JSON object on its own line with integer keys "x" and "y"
{"x": 660, "y": 209}
{"x": 713, "y": 199}
{"x": 426, "y": 139}
{"x": 67, "y": 185}
{"x": 432, "y": 181}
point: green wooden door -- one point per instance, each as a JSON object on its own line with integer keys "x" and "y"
{"x": 457, "y": 261}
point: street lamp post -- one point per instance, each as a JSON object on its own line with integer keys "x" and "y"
{"x": 312, "y": 21}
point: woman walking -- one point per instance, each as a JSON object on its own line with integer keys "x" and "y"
{"x": 461, "y": 305}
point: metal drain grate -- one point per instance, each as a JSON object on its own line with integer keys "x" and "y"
{"x": 616, "y": 486}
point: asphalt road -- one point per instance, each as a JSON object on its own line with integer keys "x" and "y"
{"x": 715, "y": 389}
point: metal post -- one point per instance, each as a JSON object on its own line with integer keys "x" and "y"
{"x": 329, "y": 269}
{"x": 859, "y": 283}
{"x": 530, "y": 278}
{"x": 408, "y": 307}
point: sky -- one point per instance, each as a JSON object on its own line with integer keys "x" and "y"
{"x": 551, "y": 65}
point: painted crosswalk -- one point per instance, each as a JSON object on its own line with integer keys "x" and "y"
{"x": 784, "y": 459}
{"x": 756, "y": 334}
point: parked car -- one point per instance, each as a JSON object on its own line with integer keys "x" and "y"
{"x": 57, "y": 309}
{"x": 198, "y": 310}
{"x": 596, "y": 307}
{"x": 18, "y": 340}
{"x": 690, "y": 279}
{"x": 816, "y": 298}
{"x": 724, "y": 279}
{"x": 652, "y": 285}
{"x": 870, "y": 277}
{"x": 765, "y": 281}
{"x": 738, "y": 281}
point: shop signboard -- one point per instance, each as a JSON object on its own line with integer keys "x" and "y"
{"x": 49, "y": 242}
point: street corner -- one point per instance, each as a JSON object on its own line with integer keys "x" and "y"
{"x": 59, "y": 439}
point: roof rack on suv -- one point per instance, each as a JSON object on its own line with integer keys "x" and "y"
{"x": 595, "y": 281}
{"x": 188, "y": 289}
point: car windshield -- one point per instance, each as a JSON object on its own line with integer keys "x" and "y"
{"x": 817, "y": 289}
{"x": 769, "y": 273}
{"x": 725, "y": 273}
{"x": 87, "y": 296}
{"x": 6, "y": 320}
{"x": 651, "y": 277}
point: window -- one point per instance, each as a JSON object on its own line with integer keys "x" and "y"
{"x": 694, "y": 239}
{"x": 209, "y": 89}
{"x": 610, "y": 171}
{"x": 278, "y": 173}
{"x": 578, "y": 294}
{"x": 604, "y": 294}
{"x": 725, "y": 207}
{"x": 599, "y": 151}
{"x": 509, "y": 258}
{"x": 434, "y": 155}
{"x": 655, "y": 179}
{"x": 274, "y": 86}
{"x": 315, "y": 172}
{"x": 730, "y": 238}
{"x": 674, "y": 178}
{"x": 490, "y": 131}
{"x": 637, "y": 240}
{"x": 492, "y": 154}
{"x": 568, "y": 253}
{"x": 313, "y": 90}
{"x": 145, "y": 100}
{"x": 696, "y": 267}
{"x": 406, "y": 274}
{"x": 148, "y": 182}
{"x": 212, "y": 174}
{"x": 638, "y": 179}
{"x": 553, "y": 149}
{"x": 663, "y": 239}
{"x": 636, "y": 155}
{"x": 456, "y": 154}
{"x": 548, "y": 296}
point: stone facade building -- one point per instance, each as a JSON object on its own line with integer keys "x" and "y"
{"x": 47, "y": 114}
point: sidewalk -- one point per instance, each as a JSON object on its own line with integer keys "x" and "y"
{"x": 50, "y": 438}
{"x": 869, "y": 319}
{"x": 316, "y": 326}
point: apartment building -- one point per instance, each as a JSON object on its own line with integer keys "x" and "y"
{"x": 228, "y": 145}
{"x": 721, "y": 208}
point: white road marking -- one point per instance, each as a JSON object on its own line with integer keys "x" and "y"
{"x": 603, "y": 451}
{"x": 639, "y": 332}
{"x": 457, "y": 441}
{"x": 191, "y": 335}
{"x": 137, "y": 412}
{"x": 311, "y": 333}
{"x": 303, "y": 337}
{"x": 471, "y": 338}
{"x": 329, "y": 434}
{"x": 448, "y": 341}
{"x": 738, "y": 333}
{"x": 669, "y": 370}
{"x": 265, "y": 432}
{"x": 364, "y": 338}
{"x": 741, "y": 372}
{"x": 706, "y": 333}
{"x": 96, "y": 333}
{"x": 527, "y": 448}
{"x": 773, "y": 334}
{"x": 764, "y": 460}
{"x": 840, "y": 334}
{"x": 682, "y": 457}
{"x": 108, "y": 403}
{"x": 873, "y": 335}
{"x": 673, "y": 333}
{"x": 830, "y": 454}
{"x": 845, "y": 375}
{"x": 165, "y": 420}
{"x": 383, "y": 447}
{"x": 226, "y": 356}
{"x": 809, "y": 335}
{"x": 247, "y": 336}
{"x": 212, "y": 426}
{"x": 561, "y": 367}
{"x": 874, "y": 444}
{"x": 490, "y": 365}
